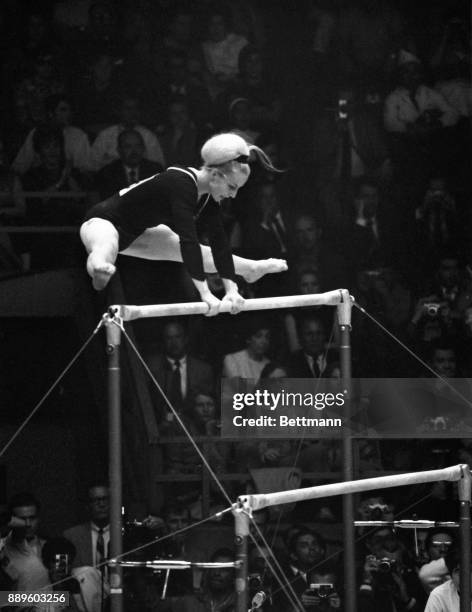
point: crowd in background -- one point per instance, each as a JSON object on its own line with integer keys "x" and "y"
{"x": 366, "y": 105}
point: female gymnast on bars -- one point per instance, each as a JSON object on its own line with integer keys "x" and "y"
{"x": 156, "y": 219}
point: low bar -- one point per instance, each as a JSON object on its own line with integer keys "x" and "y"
{"x": 264, "y": 500}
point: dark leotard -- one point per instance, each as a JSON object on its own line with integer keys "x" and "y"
{"x": 169, "y": 198}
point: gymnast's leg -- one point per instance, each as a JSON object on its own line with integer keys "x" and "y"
{"x": 100, "y": 238}
{"x": 161, "y": 243}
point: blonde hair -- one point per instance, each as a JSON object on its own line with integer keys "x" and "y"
{"x": 228, "y": 148}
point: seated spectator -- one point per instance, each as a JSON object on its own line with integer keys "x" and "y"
{"x": 203, "y": 420}
{"x": 327, "y": 588}
{"x": 53, "y": 174}
{"x": 313, "y": 249}
{"x": 221, "y": 51}
{"x": 58, "y": 555}
{"x": 105, "y": 146}
{"x": 416, "y": 117}
{"x": 175, "y": 80}
{"x": 307, "y": 549}
{"x": 307, "y": 282}
{"x": 130, "y": 168}
{"x": 179, "y": 374}
{"x": 253, "y": 84}
{"x": 76, "y": 143}
{"x": 250, "y": 361}
{"x": 179, "y": 138}
{"x": 96, "y": 95}
{"x": 217, "y": 589}
{"x": 436, "y": 221}
{"x": 447, "y": 288}
{"x": 34, "y": 89}
{"x": 372, "y": 238}
{"x": 413, "y": 107}
{"x": 22, "y": 560}
{"x": 445, "y": 597}
{"x": 389, "y": 581}
{"x": 438, "y": 543}
{"x": 312, "y": 359}
{"x": 12, "y": 203}
{"x": 266, "y": 233}
{"x": 238, "y": 119}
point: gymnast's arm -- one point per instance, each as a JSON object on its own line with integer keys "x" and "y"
{"x": 222, "y": 256}
{"x": 183, "y": 222}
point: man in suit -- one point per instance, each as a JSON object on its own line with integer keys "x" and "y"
{"x": 312, "y": 359}
{"x": 179, "y": 374}
{"x": 130, "y": 168}
{"x": 91, "y": 549}
{"x": 307, "y": 549}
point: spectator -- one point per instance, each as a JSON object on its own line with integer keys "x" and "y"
{"x": 181, "y": 457}
{"x": 389, "y": 582}
{"x": 97, "y": 93}
{"x": 217, "y": 590}
{"x": 312, "y": 359}
{"x": 307, "y": 549}
{"x": 179, "y": 374}
{"x": 371, "y": 239}
{"x": 445, "y": 597}
{"x": 239, "y": 119}
{"x": 221, "y": 51}
{"x": 76, "y": 143}
{"x": 313, "y": 249}
{"x": 326, "y": 595}
{"x": 250, "y": 361}
{"x": 416, "y": 117}
{"x": 22, "y": 552}
{"x": 176, "y": 82}
{"x": 105, "y": 146}
{"x": 438, "y": 543}
{"x": 58, "y": 555}
{"x": 130, "y": 168}
{"x": 436, "y": 221}
{"x": 35, "y": 88}
{"x": 179, "y": 140}
{"x": 53, "y": 174}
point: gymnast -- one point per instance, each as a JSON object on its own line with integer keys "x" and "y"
{"x": 156, "y": 219}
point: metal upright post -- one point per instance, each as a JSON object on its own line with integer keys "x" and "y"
{"x": 241, "y": 528}
{"x": 464, "y": 536}
{"x": 344, "y": 319}
{"x": 113, "y": 328}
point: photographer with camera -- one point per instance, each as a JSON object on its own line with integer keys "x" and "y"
{"x": 58, "y": 555}
{"x": 322, "y": 594}
{"x": 389, "y": 582}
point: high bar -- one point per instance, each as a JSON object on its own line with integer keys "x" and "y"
{"x": 329, "y": 298}
{"x": 264, "y": 500}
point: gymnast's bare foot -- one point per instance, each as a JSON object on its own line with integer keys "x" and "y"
{"x": 264, "y": 266}
{"x": 101, "y": 271}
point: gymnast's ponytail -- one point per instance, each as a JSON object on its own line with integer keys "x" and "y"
{"x": 263, "y": 158}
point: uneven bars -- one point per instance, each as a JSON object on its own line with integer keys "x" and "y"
{"x": 264, "y": 500}
{"x": 330, "y": 298}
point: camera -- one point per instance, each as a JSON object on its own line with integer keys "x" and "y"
{"x": 342, "y": 109}
{"x": 432, "y": 308}
{"x": 383, "y": 565}
{"x": 61, "y": 563}
{"x": 255, "y": 582}
{"x": 322, "y": 589}
{"x": 376, "y": 511}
